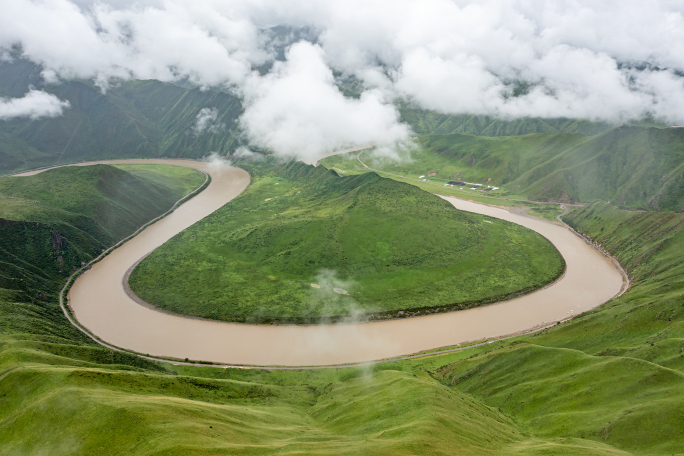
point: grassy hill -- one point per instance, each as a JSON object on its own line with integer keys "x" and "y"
{"x": 53, "y": 221}
{"x": 130, "y": 119}
{"x": 537, "y": 395}
{"x": 608, "y": 382}
{"x": 634, "y": 167}
{"x": 615, "y": 374}
{"x": 280, "y": 250}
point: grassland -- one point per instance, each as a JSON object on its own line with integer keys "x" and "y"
{"x": 635, "y": 167}
{"x": 608, "y": 382}
{"x": 351, "y": 164}
{"x": 615, "y": 374}
{"x": 394, "y": 250}
{"x": 52, "y": 222}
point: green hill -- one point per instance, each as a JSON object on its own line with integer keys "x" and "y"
{"x": 280, "y": 250}
{"x": 634, "y": 167}
{"x": 615, "y": 374}
{"x": 130, "y": 119}
{"x": 423, "y": 121}
{"x": 548, "y": 394}
{"x": 53, "y": 221}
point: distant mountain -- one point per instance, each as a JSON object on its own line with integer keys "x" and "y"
{"x": 132, "y": 119}
{"x": 633, "y": 167}
{"x": 424, "y": 121}
{"x": 155, "y": 119}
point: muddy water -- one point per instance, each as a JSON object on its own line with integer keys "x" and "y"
{"x": 100, "y": 304}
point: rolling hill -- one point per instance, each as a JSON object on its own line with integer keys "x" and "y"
{"x": 52, "y": 222}
{"x": 605, "y": 383}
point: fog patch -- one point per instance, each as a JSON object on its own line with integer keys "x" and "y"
{"x": 333, "y": 296}
{"x": 245, "y": 152}
{"x": 207, "y": 122}
{"x": 399, "y": 154}
{"x": 217, "y": 162}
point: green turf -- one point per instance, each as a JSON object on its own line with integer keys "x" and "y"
{"x": 392, "y": 247}
{"x": 614, "y": 374}
{"x": 349, "y": 165}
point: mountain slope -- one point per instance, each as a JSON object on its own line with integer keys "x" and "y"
{"x": 130, "y": 119}
{"x": 54, "y": 220}
{"x": 423, "y": 121}
{"x": 614, "y": 374}
{"x": 634, "y": 167}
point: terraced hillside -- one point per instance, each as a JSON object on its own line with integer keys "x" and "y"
{"x": 303, "y": 244}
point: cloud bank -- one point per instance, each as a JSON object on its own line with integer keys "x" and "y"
{"x": 35, "y": 104}
{"x": 298, "y": 111}
{"x": 611, "y": 61}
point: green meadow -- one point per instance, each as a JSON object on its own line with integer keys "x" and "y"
{"x": 635, "y": 167}
{"x": 302, "y": 244}
{"x": 608, "y": 382}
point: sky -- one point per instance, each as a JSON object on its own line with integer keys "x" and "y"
{"x": 608, "y": 60}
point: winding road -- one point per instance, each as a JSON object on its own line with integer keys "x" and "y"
{"x": 100, "y": 304}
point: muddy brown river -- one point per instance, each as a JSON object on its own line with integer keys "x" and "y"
{"x": 100, "y": 304}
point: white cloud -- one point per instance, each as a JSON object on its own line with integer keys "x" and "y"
{"x": 35, "y": 104}
{"x": 202, "y": 41}
{"x": 454, "y": 56}
{"x": 296, "y": 110}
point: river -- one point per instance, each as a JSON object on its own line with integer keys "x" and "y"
{"x": 100, "y": 304}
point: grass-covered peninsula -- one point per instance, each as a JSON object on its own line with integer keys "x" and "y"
{"x": 303, "y": 244}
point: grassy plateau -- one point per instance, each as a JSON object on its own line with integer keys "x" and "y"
{"x": 302, "y": 244}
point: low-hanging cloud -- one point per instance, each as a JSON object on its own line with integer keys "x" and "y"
{"x": 612, "y": 61}
{"x": 207, "y": 121}
{"x": 34, "y": 105}
{"x": 297, "y": 110}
